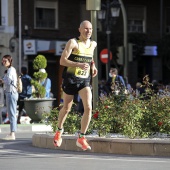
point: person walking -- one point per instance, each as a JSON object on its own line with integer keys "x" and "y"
{"x": 26, "y": 91}
{"x": 10, "y": 88}
{"x": 77, "y": 58}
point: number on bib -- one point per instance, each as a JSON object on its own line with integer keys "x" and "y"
{"x": 81, "y": 73}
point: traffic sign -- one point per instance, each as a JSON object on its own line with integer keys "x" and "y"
{"x": 104, "y": 56}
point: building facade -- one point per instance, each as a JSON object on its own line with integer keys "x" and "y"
{"x": 8, "y": 45}
{"x": 46, "y": 25}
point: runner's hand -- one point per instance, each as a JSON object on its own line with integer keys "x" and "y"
{"x": 84, "y": 66}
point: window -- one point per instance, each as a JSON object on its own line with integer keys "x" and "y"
{"x": 135, "y": 25}
{"x": 136, "y": 19}
{"x": 44, "y": 18}
{"x": 46, "y": 14}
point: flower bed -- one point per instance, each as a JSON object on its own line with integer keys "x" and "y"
{"x": 140, "y": 117}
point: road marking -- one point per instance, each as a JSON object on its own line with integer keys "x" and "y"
{"x": 119, "y": 159}
{"x": 10, "y": 153}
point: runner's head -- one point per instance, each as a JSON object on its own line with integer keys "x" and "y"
{"x": 85, "y": 29}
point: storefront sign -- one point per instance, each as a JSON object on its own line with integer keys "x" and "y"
{"x": 150, "y": 51}
{"x": 30, "y": 47}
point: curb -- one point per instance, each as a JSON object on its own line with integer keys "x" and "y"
{"x": 142, "y": 147}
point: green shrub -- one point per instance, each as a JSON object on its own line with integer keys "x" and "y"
{"x": 137, "y": 118}
{"x": 134, "y": 118}
{"x": 71, "y": 125}
{"x": 40, "y": 62}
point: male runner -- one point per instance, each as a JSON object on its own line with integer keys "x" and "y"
{"x": 77, "y": 58}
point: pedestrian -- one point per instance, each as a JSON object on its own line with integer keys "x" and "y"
{"x": 115, "y": 83}
{"x": 10, "y": 88}
{"x": 47, "y": 84}
{"x": 77, "y": 58}
{"x": 26, "y": 91}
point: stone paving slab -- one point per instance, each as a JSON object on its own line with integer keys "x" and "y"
{"x": 26, "y": 128}
{"x": 145, "y": 147}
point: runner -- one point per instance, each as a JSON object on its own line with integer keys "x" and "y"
{"x": 77, "y": 58}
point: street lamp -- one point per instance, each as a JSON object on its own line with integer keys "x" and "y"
{"x": 110, "y": 11}
{"x": 94, "y": 6}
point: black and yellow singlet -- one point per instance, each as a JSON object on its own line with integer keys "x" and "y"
{"x": 81, "y": 55}
{"x": 75, "y": 78}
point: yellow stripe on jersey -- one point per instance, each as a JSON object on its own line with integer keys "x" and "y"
{"x": 83, "y": 55}
{"x": 82, "y": 51}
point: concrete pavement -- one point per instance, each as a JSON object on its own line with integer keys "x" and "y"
{"x": 26, "y": 128}
{"x": 20, "y": 154}
{"x": 43, "y": 138}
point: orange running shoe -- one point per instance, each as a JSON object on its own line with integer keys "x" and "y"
{"x": 57, "y": 138}
{"x": 82, "y": 143}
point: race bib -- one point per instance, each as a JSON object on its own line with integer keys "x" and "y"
{"x": 81, "y": 73}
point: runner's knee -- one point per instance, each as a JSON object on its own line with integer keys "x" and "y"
{"x": 88, "y": 109}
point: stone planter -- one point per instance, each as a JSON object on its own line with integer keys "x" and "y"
{"x": 36, "y": 107}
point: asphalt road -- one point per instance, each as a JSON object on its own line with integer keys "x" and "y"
{"x": 21, "y": 155}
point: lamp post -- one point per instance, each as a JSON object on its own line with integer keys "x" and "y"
{"x": 20, "y": 38}
{"x": 125, "y": 40}
{"x": 110, "y": 11}
{"x": 94, "y": 6}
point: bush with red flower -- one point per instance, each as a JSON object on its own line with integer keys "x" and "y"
{"x": 160, "y": 123}
{"x": 95, "y": 116}
{"x": 137, "y": 118}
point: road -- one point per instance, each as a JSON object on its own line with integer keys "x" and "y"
{"x": 21, "y": 155}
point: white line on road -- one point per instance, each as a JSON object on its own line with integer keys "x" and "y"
{"x": 118, "y": 159}
{"x": 11, "y": 153}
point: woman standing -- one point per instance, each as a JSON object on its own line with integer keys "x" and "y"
{"x": 10, "y": 88}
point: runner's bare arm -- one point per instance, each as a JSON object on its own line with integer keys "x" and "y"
{"x": 93, "y": 67}
{"x": 71, "y": 44}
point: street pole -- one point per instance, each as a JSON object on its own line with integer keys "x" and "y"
{"x": 20, "y": 40}
{"x": 95, "y": 79}
{"x": 125, "y": 41}
{"x": 108, "y": 32}
{"x": 108, "y": 50}
{"x": 109, "y": 5}
{"x": 93, "y": 6}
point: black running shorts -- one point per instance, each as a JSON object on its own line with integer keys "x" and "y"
{"x": 72, "y": 86}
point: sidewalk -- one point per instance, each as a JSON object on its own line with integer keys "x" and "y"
{"x": 26, "y": 128}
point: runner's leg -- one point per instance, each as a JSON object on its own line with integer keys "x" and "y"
{"x": 67, "y": 104}
{"x": 86, "y": 97}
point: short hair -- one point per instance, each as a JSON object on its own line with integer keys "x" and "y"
{"x": 114, "y": 70}
{"x": 82, "y": 23}
{"x": 23, "y": 70}
{"x": 9, "y": 58}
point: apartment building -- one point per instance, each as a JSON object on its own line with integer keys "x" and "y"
{"x": 46, "y": 25}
